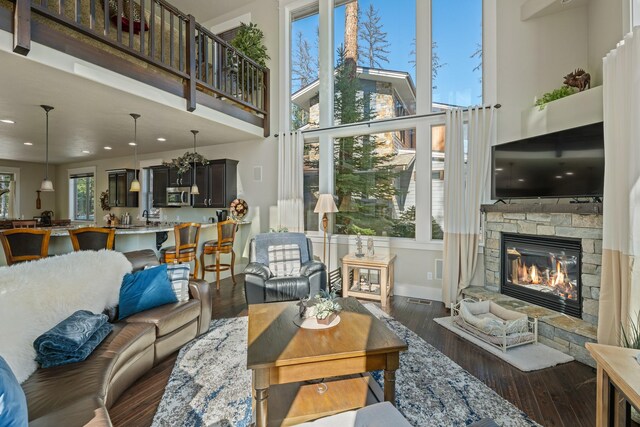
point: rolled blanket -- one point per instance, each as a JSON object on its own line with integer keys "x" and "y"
{"x": 73, "y": 339}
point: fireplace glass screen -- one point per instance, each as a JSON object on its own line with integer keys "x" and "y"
{"x": 545, "y": 271}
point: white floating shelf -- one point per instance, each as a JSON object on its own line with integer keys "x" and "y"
{"x": 579, "y": 109}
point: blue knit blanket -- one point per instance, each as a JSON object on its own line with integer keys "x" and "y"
{"x": 71, "y": 340}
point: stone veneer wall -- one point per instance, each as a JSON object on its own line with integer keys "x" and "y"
{"x": 587, "y": 227}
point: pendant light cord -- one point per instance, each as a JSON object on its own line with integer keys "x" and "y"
{"x": 46, "y": 154}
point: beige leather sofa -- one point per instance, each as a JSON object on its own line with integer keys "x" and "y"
{"x": 80, "y": 394}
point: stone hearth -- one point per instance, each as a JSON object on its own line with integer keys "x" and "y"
{"x": 578, "y": 221}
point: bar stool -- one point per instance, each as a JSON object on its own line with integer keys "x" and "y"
{"x": 92, "y": 238}
{"x": 24, "y": 223}
{"x": 224, "y": 245}
{"x": 186, "y": 237}
{"x": 25, "y": 244}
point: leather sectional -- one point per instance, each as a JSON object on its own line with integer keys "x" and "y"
{"x": 80, "y": 394}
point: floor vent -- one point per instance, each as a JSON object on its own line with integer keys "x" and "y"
{"x": 419, "y": 301}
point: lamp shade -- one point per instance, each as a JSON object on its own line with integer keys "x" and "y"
{"x": 46, "y": 185}
{"x": 325, "y": 204}
{"x": 135, "y": 186}
{"x": 195, "y": 190}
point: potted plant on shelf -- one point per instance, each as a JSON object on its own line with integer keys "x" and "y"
{"x": 326, "y": 307}
{"x": 249, "y": 40}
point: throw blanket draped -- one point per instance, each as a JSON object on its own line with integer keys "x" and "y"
{"x": 71, "y": 340}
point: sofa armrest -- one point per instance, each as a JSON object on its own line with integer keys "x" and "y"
{"x": 259, "y": 270}
{"x": 311, "y": 267}
{"x": 200, "y": 290}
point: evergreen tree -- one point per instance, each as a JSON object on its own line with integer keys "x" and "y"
{"x": 364, "y": 174}
{"x": 374, "y": 44}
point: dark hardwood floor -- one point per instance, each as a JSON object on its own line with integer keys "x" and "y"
{"x": 560, "y": 396}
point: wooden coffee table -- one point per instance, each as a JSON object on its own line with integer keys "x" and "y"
{"x": 282, "y": 356}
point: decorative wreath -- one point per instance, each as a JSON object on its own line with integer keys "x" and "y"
{"x": 104, "y": 200}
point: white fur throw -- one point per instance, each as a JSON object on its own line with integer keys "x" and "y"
{"x": 37, "y": 295}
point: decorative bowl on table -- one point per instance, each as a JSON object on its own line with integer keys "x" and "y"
{"x": 239, "y": 209}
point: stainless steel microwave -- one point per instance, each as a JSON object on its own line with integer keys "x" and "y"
{"x": 178, "y": 196}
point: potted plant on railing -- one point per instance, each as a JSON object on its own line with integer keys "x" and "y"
{"x": 326, "y": 307}
{"x": 250, "y": 41}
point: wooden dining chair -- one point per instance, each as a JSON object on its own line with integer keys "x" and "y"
{"x": 92, "y": 238}
{"x": 24, "y": 223}
{"x": 186, "y": 237}
{"x": 25, "y": 244}
{"x": 223, "y": 245}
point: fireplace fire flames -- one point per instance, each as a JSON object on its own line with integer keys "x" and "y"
{"x": 553, "y": 279}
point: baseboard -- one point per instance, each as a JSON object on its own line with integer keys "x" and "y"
{"x": 415, "y": 291}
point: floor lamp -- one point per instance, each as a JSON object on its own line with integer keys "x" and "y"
{"x": 325, "y": 205}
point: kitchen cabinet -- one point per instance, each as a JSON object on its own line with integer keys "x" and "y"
{"x": 217, "y": 183}
{"x": 160, "y": 182}
{"x": 119, "y": 184}
{"x": 177, "y": 180}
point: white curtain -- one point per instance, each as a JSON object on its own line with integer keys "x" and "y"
{"x": 620, "y": 277}
{"x": 290, "y": 181}
{"x": 464, "y": 187}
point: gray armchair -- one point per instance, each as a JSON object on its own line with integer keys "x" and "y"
{"x": 262, "y": 286}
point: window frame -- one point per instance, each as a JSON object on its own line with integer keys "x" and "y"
{"x": 5, "y": 170}
{"x": 91, "y": 170}
{"x": 423, "y": 239}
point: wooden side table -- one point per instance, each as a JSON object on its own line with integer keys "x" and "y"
{"x": 382, "y": 264}
{"x": 618, "y": 374}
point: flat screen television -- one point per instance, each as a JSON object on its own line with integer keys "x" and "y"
{"x": 568, "y": 163}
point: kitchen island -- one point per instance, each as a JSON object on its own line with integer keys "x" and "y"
{"x": 128, "y": 237}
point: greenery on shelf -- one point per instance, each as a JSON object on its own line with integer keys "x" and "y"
{"x": 250, "y": 41}
{"x": 556, "y": 94}
{"x": 186, "y": 162}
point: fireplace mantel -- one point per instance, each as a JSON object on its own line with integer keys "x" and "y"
{"x": 576, "y": 208}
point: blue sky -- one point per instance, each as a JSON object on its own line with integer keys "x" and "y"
{"x": 456, "y": 30}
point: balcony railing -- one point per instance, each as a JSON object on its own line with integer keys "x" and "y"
{"x": 150, "y": 32}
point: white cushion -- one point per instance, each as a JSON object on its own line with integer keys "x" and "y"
{"x": 382, "y": 414}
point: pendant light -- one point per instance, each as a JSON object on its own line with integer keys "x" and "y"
{"x": 135, "y": 184}
{"x": 194, "y": 188}
{"x": 46, "y": 184}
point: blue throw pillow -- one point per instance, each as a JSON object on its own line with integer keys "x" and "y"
{"x": 13, "y": 403}
{"x": 144, "y": 290}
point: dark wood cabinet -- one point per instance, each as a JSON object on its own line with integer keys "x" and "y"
{"x": 180, "y": 180}
{"x": 119, "y": 184}
{"x": 160, "y": 182}
{"x": 217, "y": 183}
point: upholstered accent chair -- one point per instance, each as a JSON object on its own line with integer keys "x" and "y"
{"x": 265, "y": 280}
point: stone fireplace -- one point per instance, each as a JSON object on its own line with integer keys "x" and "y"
{"x": 542, "y": 270}
{"x": 545, "y": 260}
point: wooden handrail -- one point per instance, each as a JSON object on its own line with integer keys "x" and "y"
{"x": 164, "y": 37}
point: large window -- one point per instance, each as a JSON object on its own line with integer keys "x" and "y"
{"x": 374, "y": 60}
{"x": 83, "y": 194}
{"x": 305, "y": 108}
{"x": 383, "y": 132}
{"x": 375, "y": 184}
{"x": 5, "y": 180}
{"x": 456, "y": 60}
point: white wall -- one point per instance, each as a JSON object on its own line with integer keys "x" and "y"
{"x": 31, "y": 175}
{"x": 533, "y": 57}
{"x": 608, "y": 21}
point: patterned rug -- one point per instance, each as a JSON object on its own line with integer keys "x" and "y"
{"x": 210, "y": 385}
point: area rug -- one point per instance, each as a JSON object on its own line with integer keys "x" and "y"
{"x": 210, "y": 385}
{"x": 529, "y": 357}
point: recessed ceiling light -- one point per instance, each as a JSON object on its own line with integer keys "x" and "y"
{"x": 499, "y": 169}
{"x": 28, "y": 143}
{"x": 558, "y": 176}
{"x": 7, "y": 121}
{"x": 107, "y": 148}
{"x": 86, "y": 151}
{"x": 568, "y": 173}
{"x": 133, "y": 144}
{"x": 521, "y": 179}
{"x": 162, "y": 139}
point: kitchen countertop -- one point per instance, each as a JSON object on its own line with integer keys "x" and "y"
{"x": 120, "y": 229}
